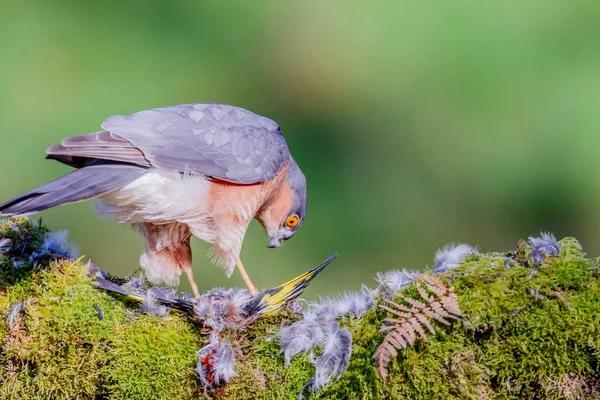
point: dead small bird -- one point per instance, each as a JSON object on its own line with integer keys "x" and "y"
{"x": 221, "y": 309}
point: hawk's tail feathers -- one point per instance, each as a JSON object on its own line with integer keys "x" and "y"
{"x": 82, "y": 184}
{"x": 274, "y": 299}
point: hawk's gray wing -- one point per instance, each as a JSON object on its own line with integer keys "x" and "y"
{"x": 215, "y": 140}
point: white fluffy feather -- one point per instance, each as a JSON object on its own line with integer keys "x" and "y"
{"x": 159, "y": 197}
{"x": 451, "y": 256}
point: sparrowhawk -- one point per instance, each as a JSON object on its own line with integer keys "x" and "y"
{"x": 203, "y": 170}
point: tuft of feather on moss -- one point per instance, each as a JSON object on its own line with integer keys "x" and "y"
{"x": 451, "y": 256}
{"x": 543, "y": 246}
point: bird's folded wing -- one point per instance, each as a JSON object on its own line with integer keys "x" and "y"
{"x": 79, "y": 151}
{"x": 215, "y": 140}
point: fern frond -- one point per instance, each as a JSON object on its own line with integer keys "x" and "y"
{"x": 434, "y": 284}
{"x": 416, "y": 327}
{"x": 423, "y": 293}
{"x": 398, "y": 306}
{"x": 424, "y": 321}
{"x": 450, "y": 303}
{"x": 437, "y": 302}
{"x": 415, "y": 303}
{"x": 402, "y": 313}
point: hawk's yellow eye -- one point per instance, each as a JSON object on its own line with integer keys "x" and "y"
{"x": 292, "y": 221}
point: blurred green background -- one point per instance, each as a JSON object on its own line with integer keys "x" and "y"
{"x": 416, "y": 123}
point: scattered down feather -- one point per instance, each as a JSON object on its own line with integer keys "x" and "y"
{"x": 333, "y": 362}
{"x": 15, "y": 315}
{"x": 311, "y": 334}
{"x": 319, "y": 330}
{"x": 451, "y": 256}
{"x": 216, "y": 362}
{"x": 350, "y": 303}
{"x": 93, "y": 271}
{"x": 55, "y": 245}
{"x": 545, "y": 245}
{"x": 302, "y": 336}
{"x": 5, "y": 245}
{"x": 393, "y": 280}
{"x": 152, "y": 306}
{"x": 221, "y": 309}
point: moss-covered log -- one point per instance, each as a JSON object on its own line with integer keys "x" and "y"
{"x": 527, "y": 332}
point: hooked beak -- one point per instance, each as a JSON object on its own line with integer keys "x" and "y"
{"x": 275, "y": 242}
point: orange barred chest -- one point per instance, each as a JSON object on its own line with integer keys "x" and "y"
{"x": 233, "y": 203}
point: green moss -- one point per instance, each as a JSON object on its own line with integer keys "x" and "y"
{"x": 152, "y": 358}
{"x": 63, "y": 350}
{"x": 27, "y": 236}
{"x": 59, "y": 349}
{"x": 527, "y": 333}
{"x": 511, "y": 344}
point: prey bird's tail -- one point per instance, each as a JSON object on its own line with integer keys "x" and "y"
{"x": 110, "y": 286}
{"x": 271, "y": 300}
{"x": 82, "y": 184}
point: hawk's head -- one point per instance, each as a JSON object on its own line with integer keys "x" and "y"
{"x": 282, "y": 217}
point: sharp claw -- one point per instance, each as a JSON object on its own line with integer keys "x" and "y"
{"x": 253, "y": 289}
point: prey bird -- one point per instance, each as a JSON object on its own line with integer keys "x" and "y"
{"x": 219, "y": 309}
{"x": 203, "y": 170}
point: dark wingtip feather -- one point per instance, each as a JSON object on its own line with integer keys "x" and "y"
{"x": 18, "y": 206}
{"x": 79, "y": 185}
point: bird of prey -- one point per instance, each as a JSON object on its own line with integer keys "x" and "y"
{"x": 203, "y": 170}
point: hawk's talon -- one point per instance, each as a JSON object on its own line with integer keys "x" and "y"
{"x": 252, "y": 288}
{"x": 195, "y": 290}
